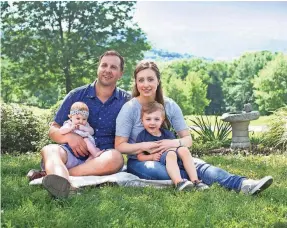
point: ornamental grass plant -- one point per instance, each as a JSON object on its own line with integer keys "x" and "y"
{"x": 208, "y": 133}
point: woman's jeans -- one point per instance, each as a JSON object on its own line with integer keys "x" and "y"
{"x": 153, "y": 170}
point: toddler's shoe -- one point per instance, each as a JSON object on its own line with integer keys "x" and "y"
{"x": 201, "y": 186}
{"x": 184, "y": 185}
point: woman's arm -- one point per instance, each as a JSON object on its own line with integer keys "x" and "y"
{"x": 122, "y": 145}
{"x": 184, "y": 140}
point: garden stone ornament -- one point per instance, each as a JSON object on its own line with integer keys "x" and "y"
{"x": 239, "y": 123}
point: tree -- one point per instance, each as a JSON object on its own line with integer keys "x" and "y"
{"x": 195, "y": 93}
{"x": 217, "y": 72}
{"x": 271, "y": 85}
{"x": 189, "y": 94}
{"x": 57, "y": 43}
{"x": 238, "y": 87}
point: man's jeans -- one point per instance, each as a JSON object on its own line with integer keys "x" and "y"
{"x": 153, "y": 170}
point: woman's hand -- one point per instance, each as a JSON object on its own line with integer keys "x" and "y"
{"x": 149, "y": 147}
{"x": 165, "y": 144}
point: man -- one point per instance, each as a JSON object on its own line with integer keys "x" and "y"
{"x": 104, "y": 100}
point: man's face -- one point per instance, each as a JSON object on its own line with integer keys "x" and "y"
{"x": 109, "y": 70}
{"x": 152, "y": 122}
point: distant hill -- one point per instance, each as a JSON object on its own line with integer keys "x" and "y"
{"x": 163, "y": 55}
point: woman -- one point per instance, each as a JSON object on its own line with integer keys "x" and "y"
{"x": 147, "y": 89}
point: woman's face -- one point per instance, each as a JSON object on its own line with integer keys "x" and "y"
{"x": 147, "y": 82}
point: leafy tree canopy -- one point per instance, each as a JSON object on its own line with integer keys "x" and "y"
{"x": 238, "y": 87}
{"x": 57, "y": 43}
{"x": 271, "y": 85}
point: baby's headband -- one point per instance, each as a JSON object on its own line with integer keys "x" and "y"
{"x": 77, "y": 111}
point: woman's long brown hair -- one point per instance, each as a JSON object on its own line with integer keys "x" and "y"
{"x": 159, "y": 94}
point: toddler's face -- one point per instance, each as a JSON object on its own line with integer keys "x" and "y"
{"x": 79, "y": 119}
{"x": 152, "y": 122}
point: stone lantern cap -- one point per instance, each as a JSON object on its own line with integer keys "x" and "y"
{"x": 240, "y": 116}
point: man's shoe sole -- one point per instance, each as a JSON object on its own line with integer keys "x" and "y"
{"x": 264, "y": 183}
{"x": 56, "y": 185}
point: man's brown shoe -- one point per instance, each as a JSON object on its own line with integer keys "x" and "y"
{"x": 35, "y": 174}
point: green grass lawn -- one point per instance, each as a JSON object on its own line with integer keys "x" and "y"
{"x": 113, "y": 206}
{"x": 262, "y": 120}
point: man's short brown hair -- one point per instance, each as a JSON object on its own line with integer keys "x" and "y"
{"x": 114, "y": 53}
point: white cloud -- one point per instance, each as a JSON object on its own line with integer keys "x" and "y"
{"x": 214, "y": 29}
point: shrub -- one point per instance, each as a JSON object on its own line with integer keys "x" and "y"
{"x": 277, "y": 135}
{"x": 20, "y": 129}
{"x": 44, "y": 137}
{"x": 200, "y": 148}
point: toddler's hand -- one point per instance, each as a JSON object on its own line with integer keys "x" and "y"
{"x": 156, "y": 156}
{"x": 80, "y": 127}
{"x": 73, "y": 127}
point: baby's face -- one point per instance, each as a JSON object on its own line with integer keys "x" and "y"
{"x": 152, "y": 122}
{"x": 79, "y": 119}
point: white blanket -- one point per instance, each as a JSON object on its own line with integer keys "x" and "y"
{"x": 121, "y": 178}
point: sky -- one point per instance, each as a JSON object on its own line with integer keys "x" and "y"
{"x": 217, "y": 30}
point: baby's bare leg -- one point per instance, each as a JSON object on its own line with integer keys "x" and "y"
{"x": 188, "y": 163}
{"x": 91, "y": 148}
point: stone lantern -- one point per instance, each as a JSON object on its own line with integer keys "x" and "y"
{"x": 239, "y": 123}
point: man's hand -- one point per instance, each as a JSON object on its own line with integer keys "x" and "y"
{"x": 78, "y": 145}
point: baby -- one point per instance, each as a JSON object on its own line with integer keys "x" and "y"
{"x": 78, "y": 123}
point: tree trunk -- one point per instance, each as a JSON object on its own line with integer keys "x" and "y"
{"x": 68, "y": 78}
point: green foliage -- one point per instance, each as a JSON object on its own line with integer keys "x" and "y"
{"x": 238, "y": 86}
{"x": 186, "y": 87}
{"x": 195, "y": 92}
{"x": 217, "y": 72}
{"x": 54, "y": 46}
{"x": 200, "y": 148}
{"x": 48, "y": 118}
{"x": 21, "y": 130}
{"x": 208, "y": 133}
{"x": 19, "y": 87}
{"x": 277, "y": 134}
{"x": 271, "y": 85}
